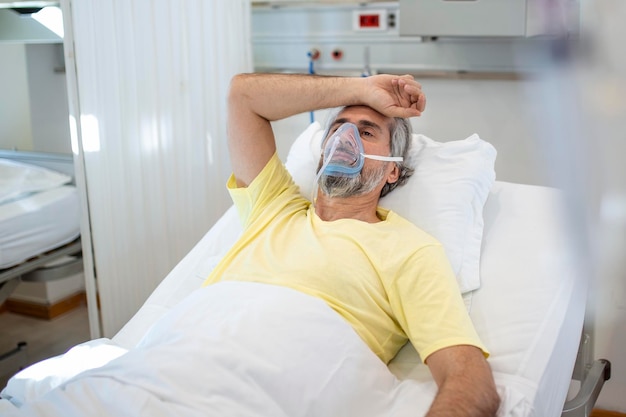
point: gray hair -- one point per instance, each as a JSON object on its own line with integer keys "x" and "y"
{"x": 400, "y": 133}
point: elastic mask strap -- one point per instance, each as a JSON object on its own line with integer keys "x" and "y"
{"x": 383, "y": 158}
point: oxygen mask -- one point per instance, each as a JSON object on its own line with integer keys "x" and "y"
{"x": 343, "y": 153}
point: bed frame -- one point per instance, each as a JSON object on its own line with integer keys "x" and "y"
{"x": 591, "y": 374}
{"x": 55, "y": 161}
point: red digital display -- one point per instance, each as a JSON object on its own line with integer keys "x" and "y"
{"x": 369, "y": 20}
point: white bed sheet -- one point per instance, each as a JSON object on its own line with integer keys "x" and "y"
{"x": 37, "y": 223}
{"x": 529, "y": 310}
{"x": 229, "y": 349}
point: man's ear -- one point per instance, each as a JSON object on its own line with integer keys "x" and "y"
{"x": 394, "y": 174}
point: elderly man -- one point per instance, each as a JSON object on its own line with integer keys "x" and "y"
{"x": 390, "y": 280}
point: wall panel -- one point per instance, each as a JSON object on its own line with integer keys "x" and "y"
{"x": 151, "y": 79}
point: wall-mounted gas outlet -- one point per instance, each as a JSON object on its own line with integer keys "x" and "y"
{"x": 337, "y": 54}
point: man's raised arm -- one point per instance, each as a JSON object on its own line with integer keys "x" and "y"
{"x": 257, "y": 99}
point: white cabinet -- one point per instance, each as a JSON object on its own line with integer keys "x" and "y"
{"x": 506, "y": 18}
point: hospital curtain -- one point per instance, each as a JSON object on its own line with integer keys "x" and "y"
{"x": 149, "y": 84}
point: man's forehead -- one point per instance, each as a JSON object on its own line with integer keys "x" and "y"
{"x": 358, "y": 122}
{"x": 363, "y": 116}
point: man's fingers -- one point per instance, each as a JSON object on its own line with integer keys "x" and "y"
{"x": 398, "y": 88}
{"x": 421, "y": 102}
{"x": 405, "y": 92}
{"x": 412, "y": 94}
{"x": 398, "y": 96}
{"x": 417, "y": 97}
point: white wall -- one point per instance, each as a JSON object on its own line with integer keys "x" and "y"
{"x": 48, "y": 98}
{"x": 15, "y": 123}
{"x": 33, "y": 104}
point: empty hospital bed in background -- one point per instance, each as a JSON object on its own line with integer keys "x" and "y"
{"x": 39, "y": 223}
{"x": 510, "y": 245}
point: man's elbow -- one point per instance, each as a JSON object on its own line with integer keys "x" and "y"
{"x": 236, "y": 88}
{"x": 488, "y": 392}
{"x": 491, "y": 401}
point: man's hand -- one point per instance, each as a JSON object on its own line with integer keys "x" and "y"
{"x": 394, "y": 96}
{"x": 465, "y": 381}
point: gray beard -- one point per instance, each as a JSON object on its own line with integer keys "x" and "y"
{"x": 343, "y": 187}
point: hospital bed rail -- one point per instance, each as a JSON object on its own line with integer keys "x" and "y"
{"x": 592, "y": 374}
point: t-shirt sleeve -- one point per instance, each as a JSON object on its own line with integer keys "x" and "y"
{"x": 427, "y": 303}
{"x": 254, "y": 201}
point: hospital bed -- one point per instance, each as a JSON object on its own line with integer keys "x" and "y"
{"x": 250, "y": 349}
{"x": 39, "y": 222}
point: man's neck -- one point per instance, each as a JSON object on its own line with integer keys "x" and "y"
{"x": 361, "y": 207}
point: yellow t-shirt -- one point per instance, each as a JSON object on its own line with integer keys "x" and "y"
{"x": 389, "y": 280}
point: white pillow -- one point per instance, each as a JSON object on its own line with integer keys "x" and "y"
{"x": 18, "y": 179}
{"x": 444, "y": 197}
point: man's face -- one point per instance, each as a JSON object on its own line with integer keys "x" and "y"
{"x": 374, "y": 130}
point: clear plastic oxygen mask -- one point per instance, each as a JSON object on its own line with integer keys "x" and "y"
{"x": 343, "y": 154}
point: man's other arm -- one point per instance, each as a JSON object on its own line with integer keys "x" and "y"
{"x": 465, "y": 381}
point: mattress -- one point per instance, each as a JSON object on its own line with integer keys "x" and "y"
{"x": 38, "y": 222}
{"x": 529, "y": 310}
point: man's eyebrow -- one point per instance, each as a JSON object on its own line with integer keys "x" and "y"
{"x": 360, "y": 123}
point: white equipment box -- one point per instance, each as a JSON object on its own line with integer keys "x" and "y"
{"x": 483, "y": 17}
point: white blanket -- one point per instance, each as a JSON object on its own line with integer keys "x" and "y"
{"x": 235, "y": 349}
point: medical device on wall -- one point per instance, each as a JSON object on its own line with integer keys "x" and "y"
{"x": 408, "y": 35}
